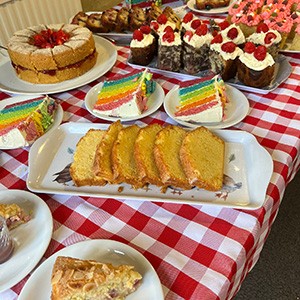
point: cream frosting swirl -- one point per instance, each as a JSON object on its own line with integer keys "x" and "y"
{"x": 258, "y": 65}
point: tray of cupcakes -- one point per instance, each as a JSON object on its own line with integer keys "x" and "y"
{"x": 203, "y": 47}
{"x": 118, "y": 24}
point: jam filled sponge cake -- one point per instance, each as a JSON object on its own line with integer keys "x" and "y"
{"x": 22, "y": 123}
{"x": 125, "y": 95}
{"x": 202, "y": 100}
{"x": 52, "y": 53}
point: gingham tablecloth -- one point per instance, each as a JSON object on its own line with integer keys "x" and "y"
{"x": 198, "y": 252}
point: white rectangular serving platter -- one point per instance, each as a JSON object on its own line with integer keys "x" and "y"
{"x": 248, "y": 169}
{"x": 282, "y": 71}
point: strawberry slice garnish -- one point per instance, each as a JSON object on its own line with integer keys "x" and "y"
{"x": 188, "y": 17}
{"x": 270, "y": 37}
{"x": 162, "y": 19}
{"x": 249, "y": 47}
{"x": 195, "y": 24}
{"x": 232, "y": 33}
{"x": 228, "y": 47}
{"x": 202, "y": 30}
{"x": 217, "y": 39}
{"x": 223, "y": 25}
{"x": 260, "y": 53}
{"x": 168, "y": 36}
{"x": 49, "y": 38}
{"x": 188, "y": 34}
{"x": 262, "y": 27}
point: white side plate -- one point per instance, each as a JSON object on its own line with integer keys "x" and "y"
{"x": 9, "y": 82}
{"x": 154, "y": 102}
{"x": 57, "y": 117}
{"x": 235, "y": 111}
{"x": 220, "y": 10}
{"x": 248, "y": 169}
{"x": 107, "y": 251}
{"x": 31, "y": 239}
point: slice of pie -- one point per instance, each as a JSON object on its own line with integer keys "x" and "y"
{"x": 14, "y": 215}
{"x": 78, "y": 279}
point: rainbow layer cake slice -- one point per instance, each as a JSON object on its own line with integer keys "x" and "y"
{"x": 201, "y": 100}
{"x": 125, "y": 95}
{"x": 23, "y": 122}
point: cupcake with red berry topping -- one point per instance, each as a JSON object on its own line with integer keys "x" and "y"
{"x": 256, "y": 67}
{"x": 159, "y": 25}
{"x": 223, "y": 57}
{"x": 169, "y": 51}
{"x": 232, "y": 32}
{"x": 189, "y": 23}
{"x": 266, "y": 37}
{"x": 142, "y": 46}
{"x": 195, "y": 49}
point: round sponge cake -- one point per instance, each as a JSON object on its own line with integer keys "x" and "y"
{"x": 52, "y": 53}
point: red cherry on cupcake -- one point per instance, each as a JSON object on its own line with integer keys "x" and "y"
{"x": 270, "y": 36}
{"x": 232, "y": 33}
{"x": 168, "y": 36}
{"x": 228, "y": 47}
{"x": 188, "y": 17}
{"x": 262, "y": 27}
{"x": 195, "y": 24}
{"x": 260, "y": 53}
{"x": 162, "y": 19}
{"x": 202, "y": 30}
{"x": 217, "y": 39}
{"x": 145, "y": 29}
{"x": 223, "y": 25}
{"x": 249, "y": 47}
{"x": 138, "y": 35}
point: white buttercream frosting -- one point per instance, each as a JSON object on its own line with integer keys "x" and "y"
{"x": 161, "y": 27}
{"x": 236, "y": 53}
{"x": 146, "y": 41}
{"x": 259, "y": 38}
{"x": 198, "y": 41}
{"x": 258, "y": 65}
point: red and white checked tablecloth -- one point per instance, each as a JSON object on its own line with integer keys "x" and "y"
{"x": 199, "y": 252}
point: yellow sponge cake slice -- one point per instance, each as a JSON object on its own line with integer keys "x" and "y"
{"x": 166, "y": 152}
{"x": 81, "y": 169}
{"x": 202, "y": 157}
{"x": 144, "y": 154}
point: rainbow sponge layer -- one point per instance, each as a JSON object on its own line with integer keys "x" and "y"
{"x": 125, "y": 95}
{"x": 23, "y": 122}
{"x": 202, "y": 100}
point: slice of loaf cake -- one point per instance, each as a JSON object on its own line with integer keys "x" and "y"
{"x": 144, "y": 155}
{"x": 103, "y": 163}
{"x": 81, "y": 170}
{"x": 124, "y": 165}
{"x": 166, "y": 152}
{"x": 202, "y": 157}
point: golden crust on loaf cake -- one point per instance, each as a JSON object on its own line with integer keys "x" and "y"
{"x": 209, "y": 4}
{"x": 79, "y": 279}
{"x": 166, "y": 152}
{"x": 103, "y": 160}
{"x": 124, "y": 165}
{"x": 202, "y": 157}
{"x": 144, "y": 154}
{"x": 81, "y": 169}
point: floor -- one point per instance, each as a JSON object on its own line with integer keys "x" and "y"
{"x": 276, "y": 276}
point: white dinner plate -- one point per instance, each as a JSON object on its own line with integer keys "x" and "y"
{"x": 247, "y": 172}
{"x": 30, "y": 239}
{"x": 57, "y": 117}
{"x": 220, "y": 10}
{"x": 155, "y": 101}
{"x": 9, "y": 81}
{"x": 106, "y": 251}
{"x": 235, "y": 111}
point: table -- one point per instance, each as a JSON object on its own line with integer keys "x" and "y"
{"x": 199, "y": 252}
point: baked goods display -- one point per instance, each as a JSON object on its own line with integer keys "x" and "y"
{"x": 211, "y": 4}
{"x": 256, "y": 66}
{"x": 74, "y": 278}
{"x": 22, "y": 123}
{"x": 202, "y": 100}
{"x": 52, "y": 53}
{"x": 14, "y": 215}
{"x": 125, "y": 95}
{"x": 279, "y": 15}
{"x": 140, "y": 156}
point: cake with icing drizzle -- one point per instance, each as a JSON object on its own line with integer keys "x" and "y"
{"x": 125, "y": 95}
{"x": 52, "y": 53}
{"x": 23, "y": 122}
{"x": 202, "y": 100}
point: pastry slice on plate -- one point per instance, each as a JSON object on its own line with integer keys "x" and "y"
{"x": 74, "y": 278}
